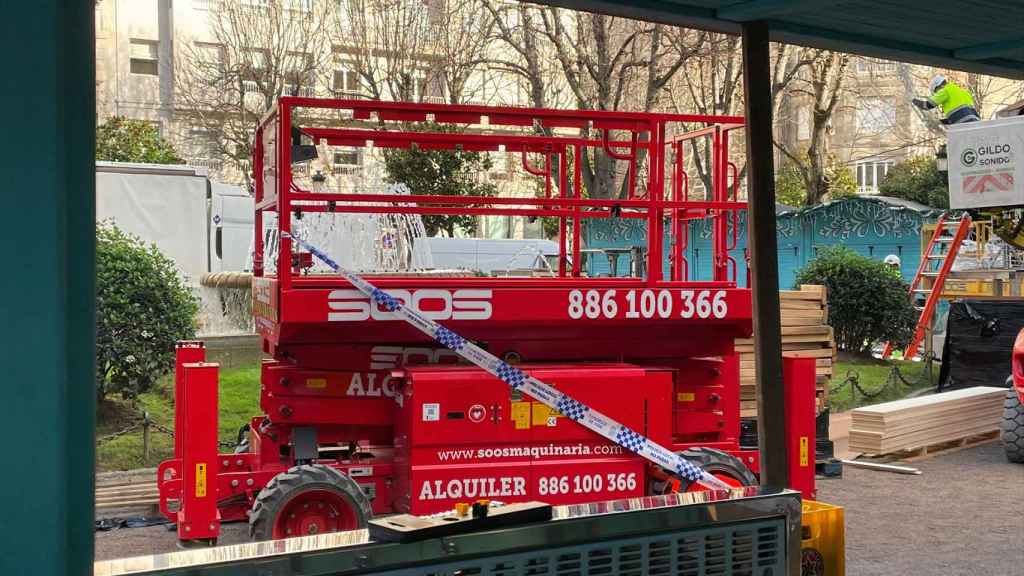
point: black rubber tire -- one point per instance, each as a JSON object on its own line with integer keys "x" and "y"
{"x": 1012, "y": 427}
{"x": 716, "y": 461}
{"x": 298, "y": 479}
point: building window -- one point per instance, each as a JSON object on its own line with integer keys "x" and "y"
{"x": 870, "y": 175}
{"x": 254, "y": 65}
{"x": 206, "y": 148}
{"x": 410, "y": 86}
{"x": 205, "y": 143}
{"x": 210, "y": 59}
{"x": 803, "y": 123}
{"x": 416, "y": 87}
{"x": 875, "y": 115}
{"x": 431, "y": 90}
{"x": 342, "y": 12}
{"x": 347, "y": 160}
{"x": 143, "y": 56}
{"x": 872, "y": 66}
{"x": 347, "y": 84}
{"x": 299, "y": 5}
{"x": 298, "y": 76}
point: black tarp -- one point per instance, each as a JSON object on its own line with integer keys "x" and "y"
{"x": 979, "y": 342}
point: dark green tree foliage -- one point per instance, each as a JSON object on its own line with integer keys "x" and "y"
{"x": 121, "y": 139}
{"x": 867, "y": 300}
{"x": 918, "y": 179}
{"x": 142, "y": 308}
{"x": 440, "y": 173}
{"x": 791, "y": 186}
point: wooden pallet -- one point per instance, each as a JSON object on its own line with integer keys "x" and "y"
{"x": 939, "y": 448}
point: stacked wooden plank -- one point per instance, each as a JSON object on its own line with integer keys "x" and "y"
{"x": 914, "y": 423}
{"x": 805, "y": 331}
{"x": 142, "y": 498}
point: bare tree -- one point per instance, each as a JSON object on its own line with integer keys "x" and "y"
{"x": 517, "y": 25}
{"x": 391, "y": 45}
{"x": 820, "y": 83}
{"x": 463, "y": 28}
{"x": 712, "y": 84}
{"x": 992, "y": 93}
{"x": 518, "y": 49}
{"x": 254, "y": 53}
{"x": 609, "y": 64}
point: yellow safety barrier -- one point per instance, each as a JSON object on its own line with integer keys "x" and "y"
{"x": 823, "y": 546}
{"x": 981, "y": 287}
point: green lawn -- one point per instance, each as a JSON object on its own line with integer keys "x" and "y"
{"x": 872, "y": 375}
{"x": 238, "y": 401}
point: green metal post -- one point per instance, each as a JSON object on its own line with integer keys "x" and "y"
{"x": 47, "y": 293}
{"x": 764, "y": 256}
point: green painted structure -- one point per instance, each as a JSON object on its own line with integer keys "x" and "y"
{"x": 874, "y": 226}
{"x": 48, "y": 187}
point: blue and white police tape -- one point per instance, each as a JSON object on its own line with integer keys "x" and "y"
{"x": 519, "y": 380}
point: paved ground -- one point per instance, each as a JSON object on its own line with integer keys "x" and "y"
{"x": 963, "y": 516}
{"x": 127, "y": 542}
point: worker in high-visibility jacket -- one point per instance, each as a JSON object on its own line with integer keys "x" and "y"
{"x": 957, "y": 104}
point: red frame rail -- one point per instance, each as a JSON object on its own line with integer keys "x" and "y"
{"x": 563, "y": 134}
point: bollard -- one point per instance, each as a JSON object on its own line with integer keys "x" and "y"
{"x": 145, "y": 437}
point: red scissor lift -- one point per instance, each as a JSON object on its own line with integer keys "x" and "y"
{"x": 363, "y": 415}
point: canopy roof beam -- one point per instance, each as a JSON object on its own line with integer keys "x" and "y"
{"x": 762, "y": 9}
{"x": 785, "y": 26}
{"x": 991, "y": 50}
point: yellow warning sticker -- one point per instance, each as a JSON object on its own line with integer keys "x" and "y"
{"x": 316, "y": 383}
{"x": 544, "y": 416}
{"x": 521, "y": 415}
{"x": 201, "y": 480}
{"x": 804, "y": 459}
{"x": 686, "y": 397}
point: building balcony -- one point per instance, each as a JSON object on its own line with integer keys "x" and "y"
{"x": 211, "y": 164}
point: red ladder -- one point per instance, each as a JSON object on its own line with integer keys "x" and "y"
{"x": 929, "y": 280}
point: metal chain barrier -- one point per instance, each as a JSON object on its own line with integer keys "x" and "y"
{"x": 892, "y": 382}
{"x": 104, "y": 439}
{"x": 146, "y": 423}
{"x": 163, "y": 429}
{"x": 170, "y": 433}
